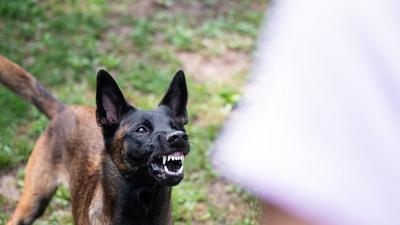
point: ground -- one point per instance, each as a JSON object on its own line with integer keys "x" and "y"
{"x": 142, "y": 43}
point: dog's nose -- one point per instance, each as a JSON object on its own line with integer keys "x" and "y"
{"x": 176, "y": 137}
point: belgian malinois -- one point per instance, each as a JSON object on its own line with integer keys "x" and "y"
{"x": 118, "y": 161}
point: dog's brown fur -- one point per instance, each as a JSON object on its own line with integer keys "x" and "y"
{"x": 70, "y": 151}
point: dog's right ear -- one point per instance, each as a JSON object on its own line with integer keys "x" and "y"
{"x": 111, "y": 104}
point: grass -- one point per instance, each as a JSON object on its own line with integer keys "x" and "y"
{"x": 64, "y": 43}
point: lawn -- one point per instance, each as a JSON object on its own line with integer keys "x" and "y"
{"x": 142, "y": 43}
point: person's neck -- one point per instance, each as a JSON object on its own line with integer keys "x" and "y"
{"x": 135, "y": 200}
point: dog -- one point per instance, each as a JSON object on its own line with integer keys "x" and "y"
{"x": 119, "y": 162}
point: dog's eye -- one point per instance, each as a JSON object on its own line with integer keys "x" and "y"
{"x": 142, "y": 130}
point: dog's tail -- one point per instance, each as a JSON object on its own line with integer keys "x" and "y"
{"x": 25, "y": 85}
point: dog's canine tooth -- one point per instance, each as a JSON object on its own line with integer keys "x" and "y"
{"x": 180, "y": 169}
{"x": 168, "y": 158}
{"x": 166, "y": 168}
{"x": 164, "y": 159}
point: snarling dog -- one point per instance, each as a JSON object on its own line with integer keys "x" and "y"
{"x": 118, "y": 161}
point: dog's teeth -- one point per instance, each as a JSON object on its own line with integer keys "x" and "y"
{"x": 166, "y": 169}
{"x": 180, "y": 170}
{"x": 164, "y": 159}
{"x": 173, "y": 158}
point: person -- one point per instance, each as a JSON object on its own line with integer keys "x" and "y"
{"x": 317, "y": 134}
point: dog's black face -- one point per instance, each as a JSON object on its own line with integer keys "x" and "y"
{"x": 151, "y": 143}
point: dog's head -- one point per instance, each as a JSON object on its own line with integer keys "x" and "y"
{"x": 148, "y": 143}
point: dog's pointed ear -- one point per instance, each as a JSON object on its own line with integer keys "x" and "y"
{"x": 111, "y": 104}
{"x": 176, "y": 98}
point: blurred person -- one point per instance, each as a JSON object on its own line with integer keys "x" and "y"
{"x": 317, "y": 135}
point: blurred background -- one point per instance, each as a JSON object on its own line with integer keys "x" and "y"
{"x": 142, "y": 43}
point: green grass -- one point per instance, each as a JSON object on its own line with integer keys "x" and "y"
{"x": 64, "y": 43}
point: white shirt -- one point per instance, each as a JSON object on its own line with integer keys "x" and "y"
{"x": 318, "y": 131}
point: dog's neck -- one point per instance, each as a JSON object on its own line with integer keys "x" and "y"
{"x": 135, "y": 200}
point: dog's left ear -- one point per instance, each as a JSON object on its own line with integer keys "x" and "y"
{"x": 176, "y": 98}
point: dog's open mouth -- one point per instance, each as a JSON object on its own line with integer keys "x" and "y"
{"x": 173, "y": 163}
{"x": 168, "y": 167}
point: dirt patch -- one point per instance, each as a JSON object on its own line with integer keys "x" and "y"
{"x": 195, "y": 10}
{"x": 216, "y": 68}
{"x": 228, "y": 201}
{"x": 200, "y": 10}
{"x": 139, "y": 8}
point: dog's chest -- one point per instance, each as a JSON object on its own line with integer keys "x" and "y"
{"x": 96, "y": 212}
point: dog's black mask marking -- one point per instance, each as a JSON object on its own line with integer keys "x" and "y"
{"x": 152, "y": 143}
